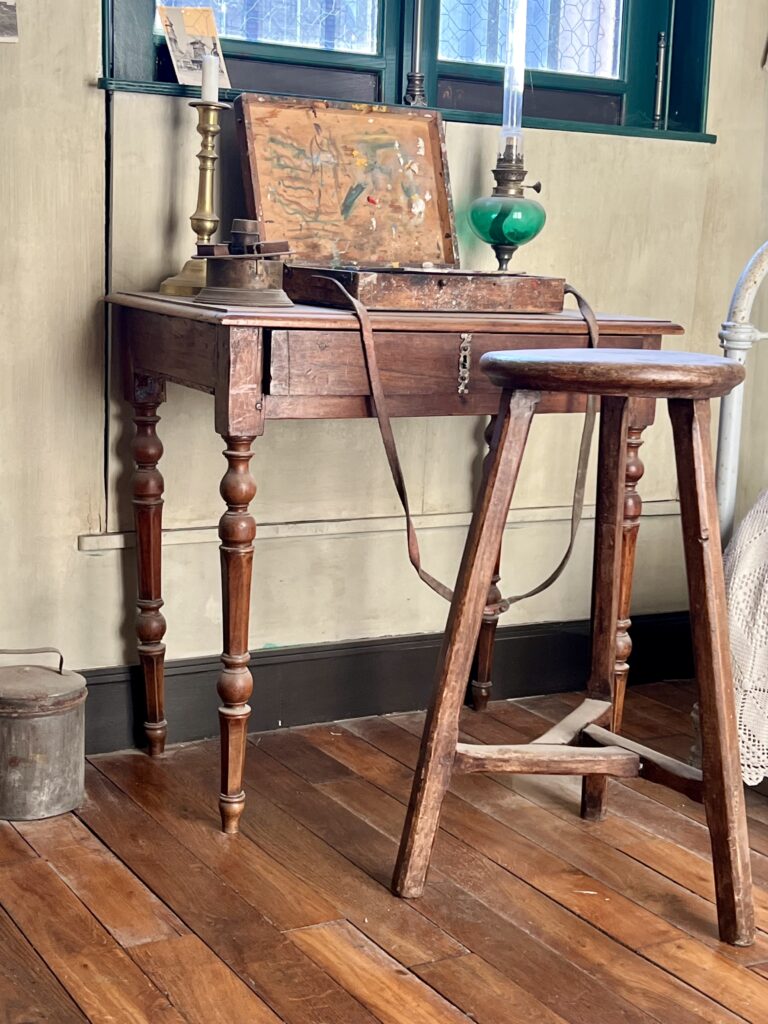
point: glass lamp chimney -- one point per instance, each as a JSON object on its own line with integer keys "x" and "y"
{"x": 514, "y": 79}
{"x": 507, "y": 218}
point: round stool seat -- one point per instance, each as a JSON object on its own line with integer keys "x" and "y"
{"x": 614, "y": 371}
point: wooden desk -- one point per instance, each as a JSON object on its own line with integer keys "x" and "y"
{"x": 307, "y": 363}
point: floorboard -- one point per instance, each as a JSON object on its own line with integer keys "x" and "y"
{"x": 373, "y": 977}
{"x": 138, "y": 909}
{"x": 583, "y": 845}
{"x": 98, "y": 974}
{"x": 29, "y": 991}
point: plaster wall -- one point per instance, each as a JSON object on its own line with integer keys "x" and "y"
{"x": 52, "y": 182}
{"x": 640, "y": 226}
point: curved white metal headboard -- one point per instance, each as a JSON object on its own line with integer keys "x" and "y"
{"x": 737, "y": 336}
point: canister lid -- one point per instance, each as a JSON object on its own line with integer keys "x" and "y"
{"x": 35, "y": 689}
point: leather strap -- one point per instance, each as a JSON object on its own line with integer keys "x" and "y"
{"x": 387, "y": 436}
{"x": 582, "y": 465}
{"x": 381, "y": 412}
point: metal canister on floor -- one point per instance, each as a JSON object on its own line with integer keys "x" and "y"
{"x": 42, "y": 738}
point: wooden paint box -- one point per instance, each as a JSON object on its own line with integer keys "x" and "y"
{"x": 440, "y": 290}
{"x": 365, "y": 188}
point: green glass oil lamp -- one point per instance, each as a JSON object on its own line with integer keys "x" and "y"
{"x": 508, "y": 218}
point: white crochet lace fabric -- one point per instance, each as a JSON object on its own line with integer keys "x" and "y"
{"x": 746, "y": 581}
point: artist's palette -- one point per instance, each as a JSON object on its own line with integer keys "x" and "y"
{"x": 348, "y": 182}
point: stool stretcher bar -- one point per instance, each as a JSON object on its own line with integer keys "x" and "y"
{"x": 546, "y": 759}
{"x": 655, "y": 767}
{"x": 568, "y": 729}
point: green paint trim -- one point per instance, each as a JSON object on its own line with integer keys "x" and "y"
{"x": 229, "y": 95}
{"x": 392, "y": 50}
{"x": 107, "y": 38}
{"x": 276, "y": 53}
{"x": 670, "y": 64}
{"x": 470, "y": 117}
{"x": 645, "y": 19}
{"x": 616, "y": 129}
{"x": 707, "y": 62}
{"x": 390, "y": 65}
{"x": 386, "y": 62}
{"x": 624, "y": 41}
{"x": 430, "y": 36}
{"x": 536, "y": 79}
{"x": 161, "y": 89}
{"x": 191, "y": 92}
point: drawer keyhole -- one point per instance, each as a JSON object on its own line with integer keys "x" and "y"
{"x": 465, "y": 354}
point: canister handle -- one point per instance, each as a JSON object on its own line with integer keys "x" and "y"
{"x": 36, "y": 650}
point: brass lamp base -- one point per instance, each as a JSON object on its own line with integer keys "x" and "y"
{"x": 504, "y": 254}
{"x": 189, "y": 281}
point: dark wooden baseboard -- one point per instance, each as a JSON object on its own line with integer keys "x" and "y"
{"x": 323, "y": 682}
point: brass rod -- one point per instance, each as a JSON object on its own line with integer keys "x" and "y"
{"x": 661, "y": 81}
{"x": 415, "y": 94}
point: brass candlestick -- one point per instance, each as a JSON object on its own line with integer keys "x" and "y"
{"x": 204, "y": 221}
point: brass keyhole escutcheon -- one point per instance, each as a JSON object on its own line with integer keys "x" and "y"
{"x": 465, "y": 355}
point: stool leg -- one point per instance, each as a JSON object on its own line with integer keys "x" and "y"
{"x": 438, "y": 744}
{"x": 723, "y": 791}
{"x": 607, "y": 574}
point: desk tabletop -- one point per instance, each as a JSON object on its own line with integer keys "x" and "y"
{"x": 318, "y": 318}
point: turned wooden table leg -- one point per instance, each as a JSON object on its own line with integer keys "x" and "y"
{"x": 148, "y": 511}
{"x": 633, "y": 507}
{"x": 721, "y": 768}
{"x": 482, "y": 669}
{"x": 481, "y": 682}
{"x": 237, "y": 529}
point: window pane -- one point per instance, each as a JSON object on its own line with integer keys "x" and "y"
{"x": 350, "y": 25}
{"x": 573, "y": 36}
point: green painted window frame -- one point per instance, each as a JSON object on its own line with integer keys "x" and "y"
{"x": 131, "y": 61}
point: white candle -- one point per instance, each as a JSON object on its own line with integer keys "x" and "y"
{"x": 210, "y": 92}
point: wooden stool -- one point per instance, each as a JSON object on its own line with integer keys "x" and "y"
{"x": 580, "y": 745}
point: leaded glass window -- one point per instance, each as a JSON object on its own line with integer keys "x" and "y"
{"x": 346, "y": 25}
{"x": 573, "y": 36}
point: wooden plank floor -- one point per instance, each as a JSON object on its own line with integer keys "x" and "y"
{"x": 136, "y": 909}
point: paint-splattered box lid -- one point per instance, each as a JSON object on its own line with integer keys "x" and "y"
{"x": 348, "y": 183}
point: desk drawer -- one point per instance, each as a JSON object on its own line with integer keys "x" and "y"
{"x": 314, "y": 363}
